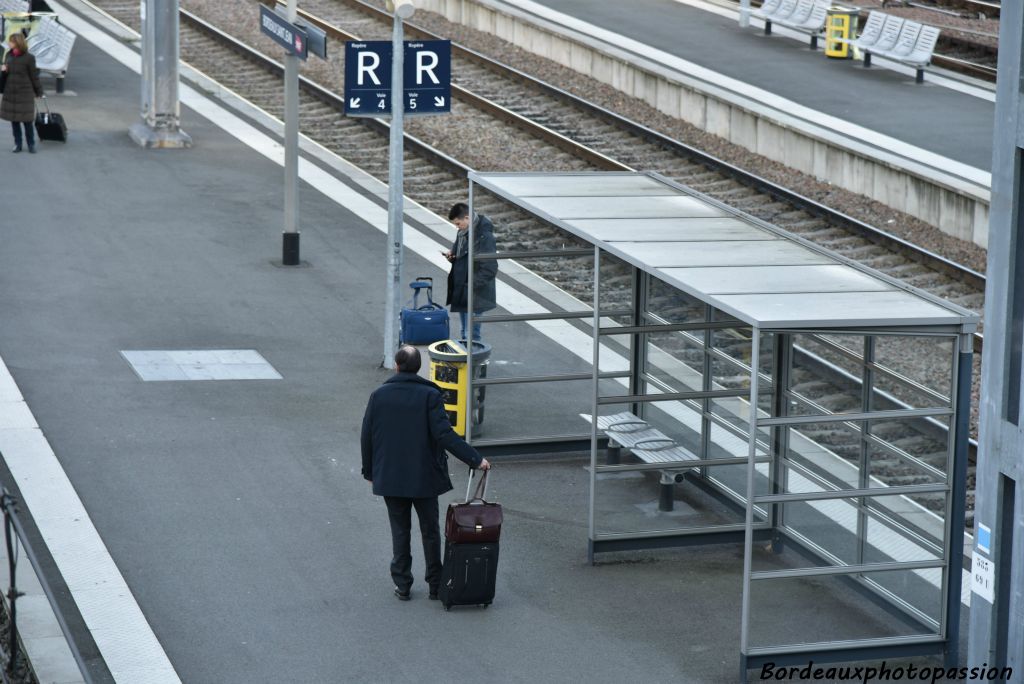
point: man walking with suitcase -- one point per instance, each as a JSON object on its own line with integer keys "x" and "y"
{"x": 406, "y": 434}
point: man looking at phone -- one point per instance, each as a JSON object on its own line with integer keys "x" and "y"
{"x": 484, "y": 271}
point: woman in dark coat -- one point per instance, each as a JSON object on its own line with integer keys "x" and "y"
{"x": 20, "y": 89}
{"x": 484, "y": 271}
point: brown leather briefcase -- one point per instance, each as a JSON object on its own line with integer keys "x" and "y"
{"x": 476, "y": 521}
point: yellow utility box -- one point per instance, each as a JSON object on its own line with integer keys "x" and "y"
{"x": 448, "y": 371}
{"x": 840, "y": 26}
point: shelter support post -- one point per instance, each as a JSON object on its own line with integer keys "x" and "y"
{"x": 596, "y": 389}
{"x": 964, "y": 366}
{"x": 748, "y": 534}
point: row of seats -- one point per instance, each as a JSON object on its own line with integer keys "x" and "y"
{"x": 892, "y": 37}
{"x": 805, "y": 16}
{"x": 51, "y": 43}
{"x": 895, "y": 38}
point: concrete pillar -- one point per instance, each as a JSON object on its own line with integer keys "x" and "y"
{"x": 997, "y": 625}
{"x": 161, "y": 113}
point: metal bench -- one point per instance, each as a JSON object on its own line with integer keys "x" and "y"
{"x": 628, "y": 431}
{"x": 804, "y": 16}
{"x": 871, "y": 33}
{"x": 914, "y": 48}
{"x": 51, "y": 44}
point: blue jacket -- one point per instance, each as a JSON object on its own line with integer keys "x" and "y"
{"x": 405, "y": 435}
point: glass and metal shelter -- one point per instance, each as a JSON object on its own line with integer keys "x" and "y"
{"x": 776, "y": 393}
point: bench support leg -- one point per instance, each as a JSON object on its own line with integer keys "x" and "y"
{"x": 867, "y": 60}
{"x": 767, "y": 27}
{"x": 920, "y": 76}
{"x": 814, "y": 42}
{"x": 666, "y": 501}
{"x": 613, "y": 455}
{"x": 60, "y": 84}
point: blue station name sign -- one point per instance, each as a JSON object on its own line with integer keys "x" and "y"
{"x": 426, "y": 77}
{"x": 288, "y": 35}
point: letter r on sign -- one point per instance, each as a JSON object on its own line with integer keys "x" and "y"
{"x": 422, "y": 67}
{"x": 369, "y": 69}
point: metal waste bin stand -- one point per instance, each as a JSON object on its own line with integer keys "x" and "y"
{"x": 448, "y": 371}
{"x": 840, "y": 25}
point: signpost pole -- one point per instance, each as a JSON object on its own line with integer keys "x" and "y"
{"x": 393, "y": 291}
{"x": 290, "y": 238}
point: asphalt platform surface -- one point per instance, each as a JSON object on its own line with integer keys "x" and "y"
{"x": 235, "y": 509}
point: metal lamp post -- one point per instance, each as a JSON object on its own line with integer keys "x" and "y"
{"x": 402, "y": 9}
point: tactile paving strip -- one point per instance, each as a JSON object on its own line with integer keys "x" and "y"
{"x": 200, "y": 364}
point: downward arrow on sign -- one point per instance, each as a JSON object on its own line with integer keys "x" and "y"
{"x": 438, "y": 101}
{"x": 353, "y": 102}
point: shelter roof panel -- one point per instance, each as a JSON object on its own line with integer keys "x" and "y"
{"x": 729, "y": 253}
{"x": 776, "y": 279}
{"x": 746, "y": 268}
{"x": 585, "y": 185}
{"x": 701, "y": 229}
{"x": 842, "y": 309}
{"x": 675, "y": 206}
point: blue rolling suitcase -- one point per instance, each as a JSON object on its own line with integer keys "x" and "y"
{"x": 424, "y": 324}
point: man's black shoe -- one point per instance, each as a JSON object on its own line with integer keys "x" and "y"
{"x": 402, "y": 596}
{"x": 432, "y": 595}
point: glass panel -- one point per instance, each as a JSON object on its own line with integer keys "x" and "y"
{"x": 815, "y": 352}
{"x": 676, "y": 360}
{"x": 824, "y": 609}
{"x": 666, "y": 304}
{"x": 927, "y": 361}
{"x": 880, "y": 529}
{"x": 678, "y": 421}
{"x": 631, "y": 501}
{"x": 731, "y": 482}
{"x": 925, "y": 439}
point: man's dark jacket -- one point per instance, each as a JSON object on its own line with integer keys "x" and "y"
{"x": 484, "y": 297}
{"x": 405, "y": 435}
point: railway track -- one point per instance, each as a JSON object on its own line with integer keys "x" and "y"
{"x": 575, "y": 135}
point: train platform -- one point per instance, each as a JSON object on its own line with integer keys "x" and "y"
{"x": 219, "y": 530}
{"x": 883, "y": 99}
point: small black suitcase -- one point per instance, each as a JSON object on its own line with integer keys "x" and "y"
{"x": 50, "y": 125}
{"x": 470, "y": 570}
{"x": 469, "y": 575}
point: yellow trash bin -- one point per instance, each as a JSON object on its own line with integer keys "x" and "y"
{"x": 448, "y": 371}
{"x": 841, "y": 25}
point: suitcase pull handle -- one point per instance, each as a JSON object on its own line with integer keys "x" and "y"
{"x": 481, "y": 487}
{"x": 423, "y": 282}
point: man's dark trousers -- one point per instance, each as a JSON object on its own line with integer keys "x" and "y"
{"x": 400, "y": 515}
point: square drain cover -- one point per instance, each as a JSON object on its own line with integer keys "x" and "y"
{"x": 201, "y": 364}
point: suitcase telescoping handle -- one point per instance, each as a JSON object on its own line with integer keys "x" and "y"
{"x": 481, "y": 486}
{"x": 423, "y": 282}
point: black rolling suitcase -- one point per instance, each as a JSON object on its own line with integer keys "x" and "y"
{"x": 470, "y": 570}
{"x": 51, "y": 125}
